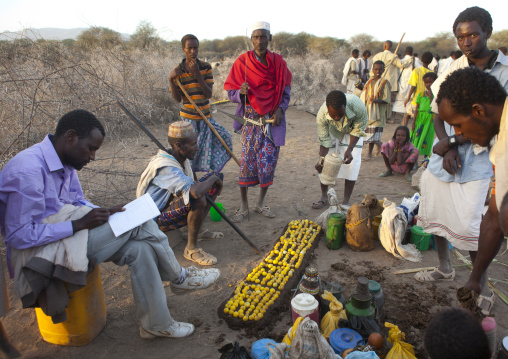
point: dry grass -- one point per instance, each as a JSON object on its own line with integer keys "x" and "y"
{"x": 41, "y": 80}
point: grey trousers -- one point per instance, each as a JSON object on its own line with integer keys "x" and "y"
{"x": 151, "y": 260}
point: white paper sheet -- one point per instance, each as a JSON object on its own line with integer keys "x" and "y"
{"x": 136, "y": 213}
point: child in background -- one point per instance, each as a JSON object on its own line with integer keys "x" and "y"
{"x": 422, "y": 133}
{"x": 456, "y": 333}
{"x": 417, "y": 85}
{"x": 376, "y": 96}
{"x": 399, "y": 154}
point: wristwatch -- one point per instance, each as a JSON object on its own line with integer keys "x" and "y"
{"x": 452, "y": 141}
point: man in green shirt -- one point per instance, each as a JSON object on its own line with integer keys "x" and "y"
{"x": 341, "y": 123}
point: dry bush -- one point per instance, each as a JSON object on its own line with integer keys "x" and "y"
{"x": 42, "y": 80}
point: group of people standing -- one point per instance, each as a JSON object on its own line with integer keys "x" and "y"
{"x": 455, "y": 185}
{"x": 470, "y": 95}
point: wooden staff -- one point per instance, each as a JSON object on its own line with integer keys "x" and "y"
{"x": 206, "y": 120}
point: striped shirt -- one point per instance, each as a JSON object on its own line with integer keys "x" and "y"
{"x": 191, "y": 85}
{"x": 353, "y": 123}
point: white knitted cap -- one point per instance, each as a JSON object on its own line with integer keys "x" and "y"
{"x": 260, "y": 25}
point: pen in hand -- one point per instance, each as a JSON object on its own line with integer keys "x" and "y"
{"x": 85, "y": 204}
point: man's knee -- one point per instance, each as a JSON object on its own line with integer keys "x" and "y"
{"x": 135, "y": 252}
{"x": 200, "y": 203}
{"x": 151, "y": 229}
{"x": 491, "y": 219}
{"x": 490, "y": 224}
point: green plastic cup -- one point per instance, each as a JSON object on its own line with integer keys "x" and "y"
{"x": 216, "y": 217}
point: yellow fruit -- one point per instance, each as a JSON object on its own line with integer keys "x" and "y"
{"x": 226, "y": 310}
{"x": 235, "y": 314}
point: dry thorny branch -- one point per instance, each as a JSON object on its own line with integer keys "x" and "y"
{"x": 42, "y": 80}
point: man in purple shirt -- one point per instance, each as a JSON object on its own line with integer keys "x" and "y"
{"x": 259, "y": 82}
{"x": 40, "y": 180}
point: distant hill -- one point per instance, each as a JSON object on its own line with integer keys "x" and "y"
{"x": 48, "y": 33}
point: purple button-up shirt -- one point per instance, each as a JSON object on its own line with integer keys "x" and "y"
{"x": 34, "y": 185}
{"x": 279, "y": 131}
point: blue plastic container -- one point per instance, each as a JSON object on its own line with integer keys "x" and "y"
{"x": 344, "y": 338}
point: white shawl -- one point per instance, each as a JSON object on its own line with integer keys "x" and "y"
{"x": 162, "y": 159}
{"x": 347, "y": 67}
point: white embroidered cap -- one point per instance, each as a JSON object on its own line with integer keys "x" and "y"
{"x": 260, "y": 25}
{"x": 180, "y": 129}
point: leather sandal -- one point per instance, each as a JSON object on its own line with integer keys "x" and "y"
{"x": 199, "y": 256}
{"x": 265, "y": 211}
{"x": 426, "y": 276}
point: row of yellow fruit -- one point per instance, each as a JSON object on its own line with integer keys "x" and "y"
{"x": 264, "y": 283}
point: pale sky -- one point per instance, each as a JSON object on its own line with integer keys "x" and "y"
{"x": 218, "y": 19}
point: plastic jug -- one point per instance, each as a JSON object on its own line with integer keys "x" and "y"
{"x": 86, "y": 315}
{"x": 331, "y": 167}
{"x": 214, "y": 215}
{"x": 335, "y": 230}
{"x": 305, "y": 305}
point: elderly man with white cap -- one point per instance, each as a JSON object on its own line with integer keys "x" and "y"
{"x": 169, "y": 180}
{"x": 259, "y": 82}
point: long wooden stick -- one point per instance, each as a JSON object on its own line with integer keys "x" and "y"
{"x": 206, "y": 120}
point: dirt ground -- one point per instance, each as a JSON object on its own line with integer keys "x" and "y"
{"x": 409, "y": 304}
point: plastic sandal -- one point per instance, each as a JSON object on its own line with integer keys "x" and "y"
{"x": 265, "y": 211}
{"x": 239, "y": 216}
{"x": 319, "y": 204}
{"x": 205, "y": 259}
{"x": 206, "y": 235}
{"x": 386, "y": 174}
{"x": 489, "y": 300}
{"x": 425, "y": 276}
